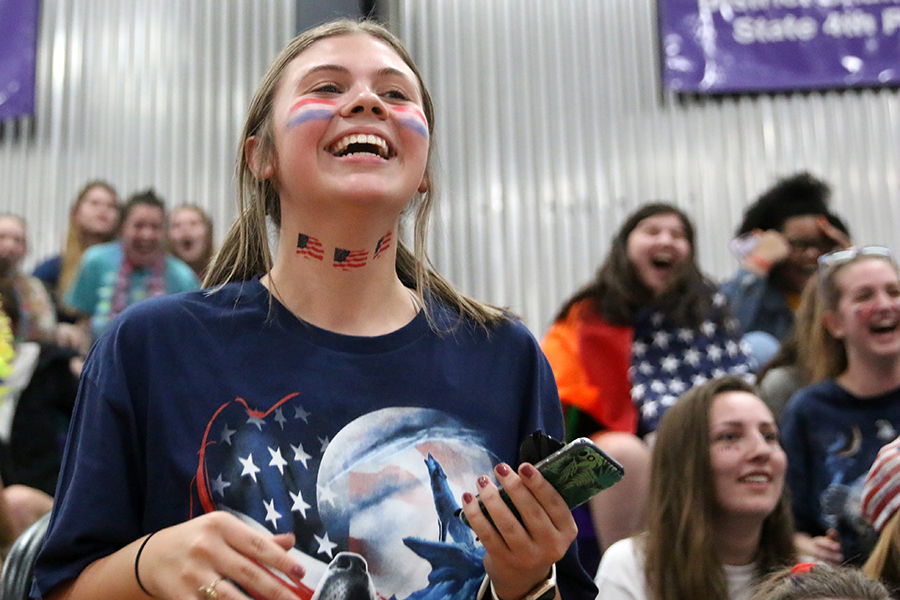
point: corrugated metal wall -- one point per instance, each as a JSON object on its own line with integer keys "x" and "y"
{"x": 141, "y": 94}
{"x": 552, "y": 126}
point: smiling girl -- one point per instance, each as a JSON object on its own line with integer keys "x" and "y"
{"x": 649, "y": 327}
{"x": 834, "y": 429}
{"x": 326, "y": 412}
{"x": 719, "y": 519}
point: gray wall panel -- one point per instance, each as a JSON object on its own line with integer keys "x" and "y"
{"x": 553, "y": 126}
{"x": 141, "y": 94}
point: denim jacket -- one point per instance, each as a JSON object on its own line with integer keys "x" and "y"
{"x": 757, "y": 304}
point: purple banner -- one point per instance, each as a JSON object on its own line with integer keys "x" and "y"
{"x": 726, "y": 46}
{"x": 18, "y": 56}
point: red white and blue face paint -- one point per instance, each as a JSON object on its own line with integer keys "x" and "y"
{"x": 311, "y": 109}
{"x": 413, "y": 118}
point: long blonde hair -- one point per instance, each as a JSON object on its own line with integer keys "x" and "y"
{"x": 245, "y": 250}
{"x": 76, "y": 243}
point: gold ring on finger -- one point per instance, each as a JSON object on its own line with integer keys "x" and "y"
{"x": 209, "y": 591}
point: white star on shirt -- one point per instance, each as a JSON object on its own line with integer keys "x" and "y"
{"x": 299, "y": 504}
{"x": 658, "y": 386}
{"x": 670, "y": 364}
{"x": 301, "y": 413}
{"x": 325, "y": 545}
{"x": 686, "y": 335}
{"x": 714, "y": 353}
{"x": 668, "y": 400}
{"x": 255, "y": 421}
{"x": 699, "y": 379}
{"x": 731, "y": 348}
{"x": 219, "y": 485}
{"x": 279, "y": 417}
{"x": 638, "y": 349}
{"x": 326, "y": 495}
{"x": 677, "y": 386}
{"x": 637, "y": 392}
{"x": 692, "y": 357}
{"x": 708, "y": 328}
{"x": 645, "y": 368}
{"x": 226, "y": 435}
{"x": 656, "y": 319}
{"x": 324, "y": 441}
{"x": 249, "y": 468}
{"x": 661, "y": 339}
{"x": 272, "y": 514}
{"x": 300, "y": 454}
{"x": 649, "y": 409}
{"x": 718, "y": 300}
{"x": 277, "y": 459}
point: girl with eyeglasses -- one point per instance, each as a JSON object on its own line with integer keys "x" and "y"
{"x": 833, "y": 429}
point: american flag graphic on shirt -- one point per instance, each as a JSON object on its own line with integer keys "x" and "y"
{"x": 310, "y": 247}
{"x": 288, "y": 467}
{"x": 350, "y": 259}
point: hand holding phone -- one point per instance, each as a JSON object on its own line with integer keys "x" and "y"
{"x": 578, "y": 471}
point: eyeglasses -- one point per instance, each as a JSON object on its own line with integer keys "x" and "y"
{"x": 829, "y": 261}
{"x": 821, "y": 246}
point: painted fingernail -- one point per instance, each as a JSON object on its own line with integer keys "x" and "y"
{"x": 468, "y": 498}
{"x": 298, "y": 572}
{"x": 527, "y": 471}
{"x": 483, "y": 481}
{"x": 502, "y": 470}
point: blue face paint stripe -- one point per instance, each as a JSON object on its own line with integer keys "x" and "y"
{"x": 321, "y": 114}
{"x": 416, "y": 125}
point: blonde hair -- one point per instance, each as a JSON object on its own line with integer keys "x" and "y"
{"x": 245, "y": 250}
{"x": 884, "y": 561}
{"x": 76, "y": 243}
{"x": 829, "y": 352}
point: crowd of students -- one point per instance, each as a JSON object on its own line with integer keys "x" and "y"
{"x": 48, "y": 316}
{"x": 318, "y": 417}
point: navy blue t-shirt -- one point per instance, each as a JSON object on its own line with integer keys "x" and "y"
{"x": 226, "y": 401}
{"x": 831, "y": 438}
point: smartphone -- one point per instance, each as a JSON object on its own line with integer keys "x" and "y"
{"x": 578, "y": 471}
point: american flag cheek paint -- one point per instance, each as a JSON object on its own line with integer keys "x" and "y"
{"x": 413, "y": 118}
{"x": 311, "y": 109}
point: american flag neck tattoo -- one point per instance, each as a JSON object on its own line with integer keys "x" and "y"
{"x": 311, "y": 248}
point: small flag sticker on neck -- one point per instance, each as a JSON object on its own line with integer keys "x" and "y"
{"x": 350, "y": 259}
{"x": 310, "y": 247}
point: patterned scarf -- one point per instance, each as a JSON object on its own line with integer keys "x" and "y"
{"x": 156, "y": 284}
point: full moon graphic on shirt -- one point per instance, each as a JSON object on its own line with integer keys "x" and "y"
{"x": 374, "y": 487}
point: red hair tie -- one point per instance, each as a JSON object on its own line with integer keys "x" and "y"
{"x": 801, "y": 568}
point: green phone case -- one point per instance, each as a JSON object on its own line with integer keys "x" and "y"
{"x": 578, "y": 471}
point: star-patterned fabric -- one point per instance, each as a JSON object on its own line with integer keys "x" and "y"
{"x": 625, "y": 378}
{"x": 667, "y": 360}
{"x": 360, "y": 446}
